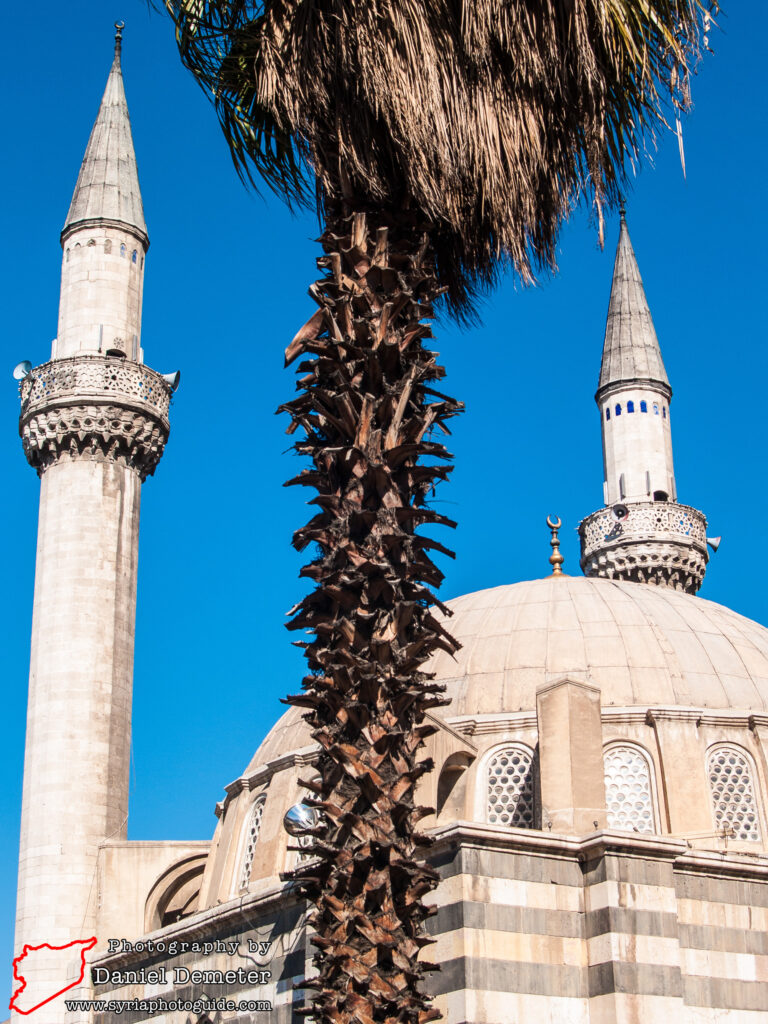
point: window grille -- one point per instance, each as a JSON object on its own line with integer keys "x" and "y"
{"x": 511, "y": 787}
{"x": 733, "y": 794}
{"x": 252, "y": 829}
{"x": 628, "y": 797}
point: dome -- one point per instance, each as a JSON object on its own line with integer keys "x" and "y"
{"x": 639, "y": 644}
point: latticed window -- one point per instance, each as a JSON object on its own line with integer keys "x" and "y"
{"x": 628, "y": 796}
{"x": 733, "y": 792}
{"x": 252, "y": 829}
{"x": 512, "y": 787}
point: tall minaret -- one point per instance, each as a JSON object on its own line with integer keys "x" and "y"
{"x": 94, "y": 422}
{"x": 643, "y": 535}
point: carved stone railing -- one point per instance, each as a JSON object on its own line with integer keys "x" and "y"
{"x": 655, "y": 542}
{"x": 97, "y": 377}
{"x": 94, "y": 407}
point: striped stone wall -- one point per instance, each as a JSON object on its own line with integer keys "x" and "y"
{"x": 613, "y": 928}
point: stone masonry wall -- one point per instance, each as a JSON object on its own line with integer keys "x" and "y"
{"x": 610, "y": 929}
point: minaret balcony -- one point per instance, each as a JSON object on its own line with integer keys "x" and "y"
{"x": 647, "y": 542}
{"x": 96, "y": 407}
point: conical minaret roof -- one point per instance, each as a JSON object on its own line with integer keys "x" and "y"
{"x": 631, "y": 351}
{"x": 108, "y": 184}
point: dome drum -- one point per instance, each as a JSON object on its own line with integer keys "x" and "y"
{"x": 573, "y": 768}
{"x": 560, "y": 672}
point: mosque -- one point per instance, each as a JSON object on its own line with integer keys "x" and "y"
{"x": 601, "y": 780}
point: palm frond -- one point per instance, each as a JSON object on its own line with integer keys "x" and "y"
{"x": 492, "y": 119}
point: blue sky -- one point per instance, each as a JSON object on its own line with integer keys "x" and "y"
{"x": 225, "y": 290}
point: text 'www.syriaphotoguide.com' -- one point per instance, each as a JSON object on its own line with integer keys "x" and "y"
{"x": 151, "y": 1006}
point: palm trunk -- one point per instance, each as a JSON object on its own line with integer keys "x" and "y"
{"x": 367, "y": 410}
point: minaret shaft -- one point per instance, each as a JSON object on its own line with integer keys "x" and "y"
{"x": 76, "y": 768}
{"x": 102, "y": 286}
{"x": 637, "y": 444}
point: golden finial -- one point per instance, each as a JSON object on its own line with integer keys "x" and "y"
{"x": 555, "y": 559}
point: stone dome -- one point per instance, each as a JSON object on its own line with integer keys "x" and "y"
{"x": 639, "y": 644}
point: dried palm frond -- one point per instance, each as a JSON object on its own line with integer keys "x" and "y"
{"x": 492, "y": 119}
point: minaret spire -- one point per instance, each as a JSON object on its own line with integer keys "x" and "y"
{"x": 644, "y": 534}
{"x": 631, "y": 350}
{"x": 107, "y": 188}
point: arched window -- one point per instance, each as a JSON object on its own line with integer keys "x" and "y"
{"x": 630, "y": 406}
{"x": 108, "y": 245}
{"x": 655, "y": 408}
{"x": 251, "y": 837}
{"x": 643, "y": 406}
{"x": 134, "y": 256}
{"x": 730, "y": 773}
{"x": 628, "y": 795}
{"x": 607, "y": 412}
{"x": 122, "y": 249}
{"x": 618, "y": 409}
{"x": 664, "y": 411}
{"x": 512, "y": 787}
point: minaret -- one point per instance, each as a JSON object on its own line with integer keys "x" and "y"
{"x": 94, "y": 422}
{"x": 643, "y": 534}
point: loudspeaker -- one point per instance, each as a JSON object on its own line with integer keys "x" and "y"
{"x": 21, "y": 370}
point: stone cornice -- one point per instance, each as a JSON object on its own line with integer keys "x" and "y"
{"x": 480, "y": 725}
{"x": 741, "y": 719}
{"x": 104, "y": 223}
{"x": 633, "y": 383}
{"x": 451, "y": 729}
{"x": 724, "y": 864}
{"x": 94, "y": 407}
{"x": 300, "y": 758}
{"x": 203, "y": 924}
{"x": 239, "y": 913}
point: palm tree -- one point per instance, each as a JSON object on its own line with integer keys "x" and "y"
{"x": 442, "y": 142}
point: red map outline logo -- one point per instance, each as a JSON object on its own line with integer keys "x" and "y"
{"x": 85, "y": 943}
